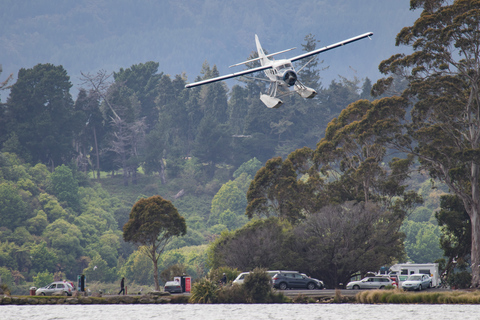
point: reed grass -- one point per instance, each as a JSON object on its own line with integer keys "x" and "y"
{"x": 399, "y": 296}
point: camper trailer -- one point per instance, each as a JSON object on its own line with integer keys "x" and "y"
{"x": 403, "y": 270}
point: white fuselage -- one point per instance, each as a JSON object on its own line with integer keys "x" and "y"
{"x": 279, "y": 68}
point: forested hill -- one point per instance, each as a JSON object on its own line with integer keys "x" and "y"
{"x": 73, "y": 165}
{"x": 89, "y": 35}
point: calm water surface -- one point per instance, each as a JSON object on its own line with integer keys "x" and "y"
{"x": 241, "y": 311}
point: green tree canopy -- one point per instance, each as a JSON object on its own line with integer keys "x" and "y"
{"x": 13, "y": 210}
{"x": 65, "y": 239}
{"x": 43, "y": 258}
{"x": 42, "y": 279}
{"x": 422, "y": 241}
{"x": 152, "y": 223}
{"x": 274, "y": 191}
{"x": 259, "y": 243}
{"x": 250, "y": 167}
{"x": 232, "y": 199}
{"x": 65, "y": 186}
{"x": 143, "y": 79}
{"x": 456, "y": 227}
{"x": 40, "y": 110}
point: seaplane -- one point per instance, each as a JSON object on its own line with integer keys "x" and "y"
{"x": 280, "y": 73}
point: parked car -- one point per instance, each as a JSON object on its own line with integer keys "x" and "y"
{"x": 173, "y": 287}
{"x": 417, "y": 281}
{"x": 285, "y": 280}
{"x": 240, "y": 278}
{"x": 319, "y": 283}
{"x": 370, "y": 283}
{"x": 54, "y": 287}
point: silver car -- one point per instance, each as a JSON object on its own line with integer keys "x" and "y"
{"x": 417, "y": 282}
{"x": 370, "y": 283}
{"x": 173, "y": 287}
{"x": 55, "y": 287}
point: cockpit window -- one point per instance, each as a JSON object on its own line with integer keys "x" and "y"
{"x": 285, "y": 66}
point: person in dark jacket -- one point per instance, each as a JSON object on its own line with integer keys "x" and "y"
{"x": 122, "y": 286}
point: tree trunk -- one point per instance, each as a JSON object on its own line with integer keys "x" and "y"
{"x": 473, "y": 210}
{"x": 96, "y": 152}
{"x": 475, "y": 220}
{"x": 125, "y": 169}
{"x": 134, "y": 176}
{"x": 155, "y": 270}
{"x": 475, "y": 256}
{"x": 162, "y": 172}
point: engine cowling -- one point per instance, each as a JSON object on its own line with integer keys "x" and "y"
{"x": 290, "y": 77}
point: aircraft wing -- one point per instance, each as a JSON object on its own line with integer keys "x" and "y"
{"x": 330, "y": 47}
{"x": 228, "y": 76}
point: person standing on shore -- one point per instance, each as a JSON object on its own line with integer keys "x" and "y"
{"x": 122, "y": 286}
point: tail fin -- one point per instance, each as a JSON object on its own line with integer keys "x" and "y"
{"x": 261, "y": 55}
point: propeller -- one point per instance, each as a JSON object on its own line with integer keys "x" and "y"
{"x": 290, "y": 77}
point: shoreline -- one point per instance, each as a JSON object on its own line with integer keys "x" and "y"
{"x": 74, "y": 300}
{"x": 362, "y": 297}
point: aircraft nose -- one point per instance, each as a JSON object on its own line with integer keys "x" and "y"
{"x": 290, "y": 77}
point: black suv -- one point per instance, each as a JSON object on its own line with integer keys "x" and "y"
{"x": 285, "y": 280}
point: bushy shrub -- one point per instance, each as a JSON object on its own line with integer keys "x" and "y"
{"x": 238, "y": 294}
{"x": 257, "y": 286}
{"x": 278, "y": 297}
{"x": 338, "y": 298}
{"x": 4, "y": 289}
{"x": 232, "y": 294}
{"x": 204, "y": 291}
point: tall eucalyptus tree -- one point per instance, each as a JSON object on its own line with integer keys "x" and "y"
{"x": 443, "y": 130}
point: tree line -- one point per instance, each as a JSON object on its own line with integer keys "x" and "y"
{"x": 424, "y": 118}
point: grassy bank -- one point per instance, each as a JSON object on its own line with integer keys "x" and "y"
{"x": 399, "y": 296}
{"x": 366, "y": 297}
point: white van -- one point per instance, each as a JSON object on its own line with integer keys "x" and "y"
{"x": 240, "y": 278}
{"x": 403, "y": 270}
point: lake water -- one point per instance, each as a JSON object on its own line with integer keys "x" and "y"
{"x": 243, "y": 311}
